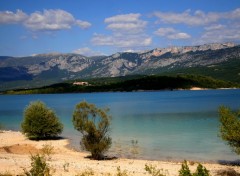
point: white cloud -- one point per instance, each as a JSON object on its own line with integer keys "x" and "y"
{"x": 214, "y": 27}
{"x": 87, "y": 52}
{"x": 127, "y": 18}
{"x": 164, "y": 31}
{"x": 235, "y": 14}
{"x": 128, "y": 27}
{"x": 83, "y": 24}
{"x": 196, "y": 18}
{"x": 179, "y": 35}
{"x": 122, "y": 41}
{"x": 8, "y": 17}
{"x": 171, "y": 33}
{"x": 221, "y": 33}
{"x": 128, "y": 23}
{"x": 48, "y": 20}
{"x": 53, "y": 20}
{"x": 128, "y": 31}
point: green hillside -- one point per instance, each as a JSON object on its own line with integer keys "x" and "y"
{"x": 227, "y": 71}
{"x": 131, "y": 83}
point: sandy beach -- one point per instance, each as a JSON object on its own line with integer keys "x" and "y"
{"x": 15, "y": 150}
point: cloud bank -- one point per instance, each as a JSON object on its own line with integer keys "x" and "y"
{"x": 48, "y": 20}
{"x": 128, "y": 31}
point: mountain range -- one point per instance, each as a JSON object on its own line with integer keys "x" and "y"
{"x": 218, "y": 60}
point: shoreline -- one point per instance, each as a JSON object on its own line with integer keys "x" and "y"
{"x": 140, "y": 90}
{"x": 15, "y": 151}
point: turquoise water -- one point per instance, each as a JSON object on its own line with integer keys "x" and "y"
{"x": 168, "y": 125}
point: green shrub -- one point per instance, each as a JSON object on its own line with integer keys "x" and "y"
{"x": 40, "y": 122}
{"x": 185, "y": 171}
{"x": 230, "y": 127}
{"x": 152, "y": 170}
{"x": 87, "y": 172}
{"x": 121, "y": 173}
{"x": 39, "y": 167}
{"x": 47, "y": 150}
{"x": 200, "y": 171}
{"x": 94, "y": 124}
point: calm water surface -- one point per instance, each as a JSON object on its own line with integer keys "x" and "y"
{"x": 167, "y": 125}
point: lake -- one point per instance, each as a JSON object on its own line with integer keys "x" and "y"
{"x": 167, "y": 125}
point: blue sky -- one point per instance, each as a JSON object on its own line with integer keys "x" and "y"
{"x": 95, "y": 27}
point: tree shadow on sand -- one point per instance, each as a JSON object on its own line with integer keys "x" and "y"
{"x": 47, "y": 138}
{"x": 103, "y": 158}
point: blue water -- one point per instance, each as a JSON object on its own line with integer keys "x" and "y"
{"x": 168, "y": 125}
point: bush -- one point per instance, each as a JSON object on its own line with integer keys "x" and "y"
{"x": 40, "y": 122}
{"x": 39, "y": 167}
{"x": 94, "y": 124}
{"x": 201, "y": 171}
{"x": 230, "y": 127}
{"x": 152, "y": 170}
{"x": 47, "y": 150}
{"x": 185, "y": 171}
{"x": 87, "y": 172}
{"x": 121, "y": 173}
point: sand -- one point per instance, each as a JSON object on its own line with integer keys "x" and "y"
{"x": 16, "y": 149}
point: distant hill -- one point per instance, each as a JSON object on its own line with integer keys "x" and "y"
{"x": 220, "y": 61}
{"x": 130, "y": 83}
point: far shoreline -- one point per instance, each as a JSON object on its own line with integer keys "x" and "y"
{"x": 132, "y": 91}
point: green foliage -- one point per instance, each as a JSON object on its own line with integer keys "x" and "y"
{"x": 230, "y": 127}
{"x": 152, "y": 170}
{"x": 94, "y": 124}
{"x": 226, "y": 71}
{"x": 40, "y": 122}
{"x": 47, "y": 150}
{"x": 87, "y": 172}
{"x": 200, "y": 171}
{"x": 121, "y": 173}
{"x": 185, "y": 171}
{"x": 39, "y": 167}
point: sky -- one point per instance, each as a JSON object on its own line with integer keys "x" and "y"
{"x": 104, "y": 27}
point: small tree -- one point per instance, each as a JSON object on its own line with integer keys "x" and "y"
{"x": 230, "y": 127}
{"x": 185, "y": 171}
{"x": 40, "y": 122}
{"x": 93, "y": 123}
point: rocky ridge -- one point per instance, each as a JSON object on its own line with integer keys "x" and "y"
{"x": 57, "y": 66}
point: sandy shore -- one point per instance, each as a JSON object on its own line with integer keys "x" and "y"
{"x": 15, "y": 151}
